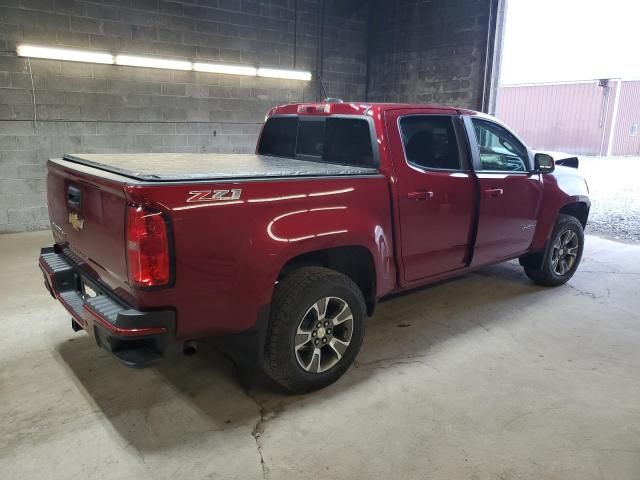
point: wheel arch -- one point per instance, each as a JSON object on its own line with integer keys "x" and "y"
{"x": 353, "y": 261}
{"x": 579, "y": 210}
{"x": 577, "y": 206}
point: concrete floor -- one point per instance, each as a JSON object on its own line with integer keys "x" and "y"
{"x": 484, "y": 377}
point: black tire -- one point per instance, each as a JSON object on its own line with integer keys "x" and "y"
{"x": 293, "y": 300}
{"x": 542, "y": 269}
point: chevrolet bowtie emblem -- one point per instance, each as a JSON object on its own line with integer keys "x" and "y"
{"x": 75, "y": 221}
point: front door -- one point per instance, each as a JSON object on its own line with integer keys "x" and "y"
{"x": 510, "y": 192}
{"x": 435, "y": 190}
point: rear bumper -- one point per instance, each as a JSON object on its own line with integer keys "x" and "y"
{"x": 136, "y": 338}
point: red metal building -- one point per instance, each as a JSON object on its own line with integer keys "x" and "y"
{"x": 595, "y": 117}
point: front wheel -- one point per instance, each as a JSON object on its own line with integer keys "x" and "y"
{"x": 316, "y": 329}
{"x": 562, "y": 256}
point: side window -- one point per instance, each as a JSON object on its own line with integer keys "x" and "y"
{"x": 499, "y": 149}
{"x": 430, "y": 142}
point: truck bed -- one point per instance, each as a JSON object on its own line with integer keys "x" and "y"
{"x": 172, "y": 167}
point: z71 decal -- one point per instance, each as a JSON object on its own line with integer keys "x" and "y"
{"x": 214, "y": 195}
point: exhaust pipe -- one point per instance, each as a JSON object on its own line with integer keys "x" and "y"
{"x": 190, "y": 347}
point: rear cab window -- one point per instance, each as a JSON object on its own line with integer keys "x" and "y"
{"x": 341, "y": 140}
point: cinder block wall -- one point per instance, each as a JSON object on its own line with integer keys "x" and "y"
{"x": 106, "y": 108}
{"x": 426, "y": 51}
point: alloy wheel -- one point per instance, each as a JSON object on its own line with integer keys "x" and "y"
{"x": 323, "y": 335}
{"x": 565, "y": 252}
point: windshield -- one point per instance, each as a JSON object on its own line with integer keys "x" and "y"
{"x": 346, "y": 141}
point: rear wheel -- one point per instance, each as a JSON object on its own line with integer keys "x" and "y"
{"x": 562, "y": 256}
{"x": 316, "y": 329}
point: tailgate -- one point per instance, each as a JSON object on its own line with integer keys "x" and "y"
{"x": 87, "y": 214}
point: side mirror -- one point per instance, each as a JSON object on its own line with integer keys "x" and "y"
{"x": 544, "y": 163}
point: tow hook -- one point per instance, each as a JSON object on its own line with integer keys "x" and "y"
{"x": 190, "y": 347}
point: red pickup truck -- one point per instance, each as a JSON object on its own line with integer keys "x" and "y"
{"x": 342, "y": 204}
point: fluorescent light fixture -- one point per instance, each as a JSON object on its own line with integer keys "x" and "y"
{"x": 288, "y": 74}
{"x": 155, "y": 62}
{"x": 228, "y": 69}
{"x": 64, "y": 54}
{"x": 151, "y": 62}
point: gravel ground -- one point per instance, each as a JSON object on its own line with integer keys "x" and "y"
{"x": 614, "y": 188}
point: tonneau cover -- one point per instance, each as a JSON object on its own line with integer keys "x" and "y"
{"x": 210, "y": 166}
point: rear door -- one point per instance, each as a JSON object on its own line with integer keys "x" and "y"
{"x": 436, "y": 192}
{"x": 510, "y": 192}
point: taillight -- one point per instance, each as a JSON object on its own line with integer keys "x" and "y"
{"x": 322, "y": 108}
{"x": 148, "y": 253}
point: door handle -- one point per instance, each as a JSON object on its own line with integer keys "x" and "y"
{"x": 74, "y": 196}
{"x": 420, "y": 195}
{"x": 494, "y": 192}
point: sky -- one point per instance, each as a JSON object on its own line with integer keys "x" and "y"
{"x": 562, "y": 40}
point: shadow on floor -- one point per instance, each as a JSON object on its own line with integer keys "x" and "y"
{"x": 184, "y": 398}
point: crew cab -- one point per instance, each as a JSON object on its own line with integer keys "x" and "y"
{"x": 341, "y": 204}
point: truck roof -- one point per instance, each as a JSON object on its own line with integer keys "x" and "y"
{"x": 362, "y": 108}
